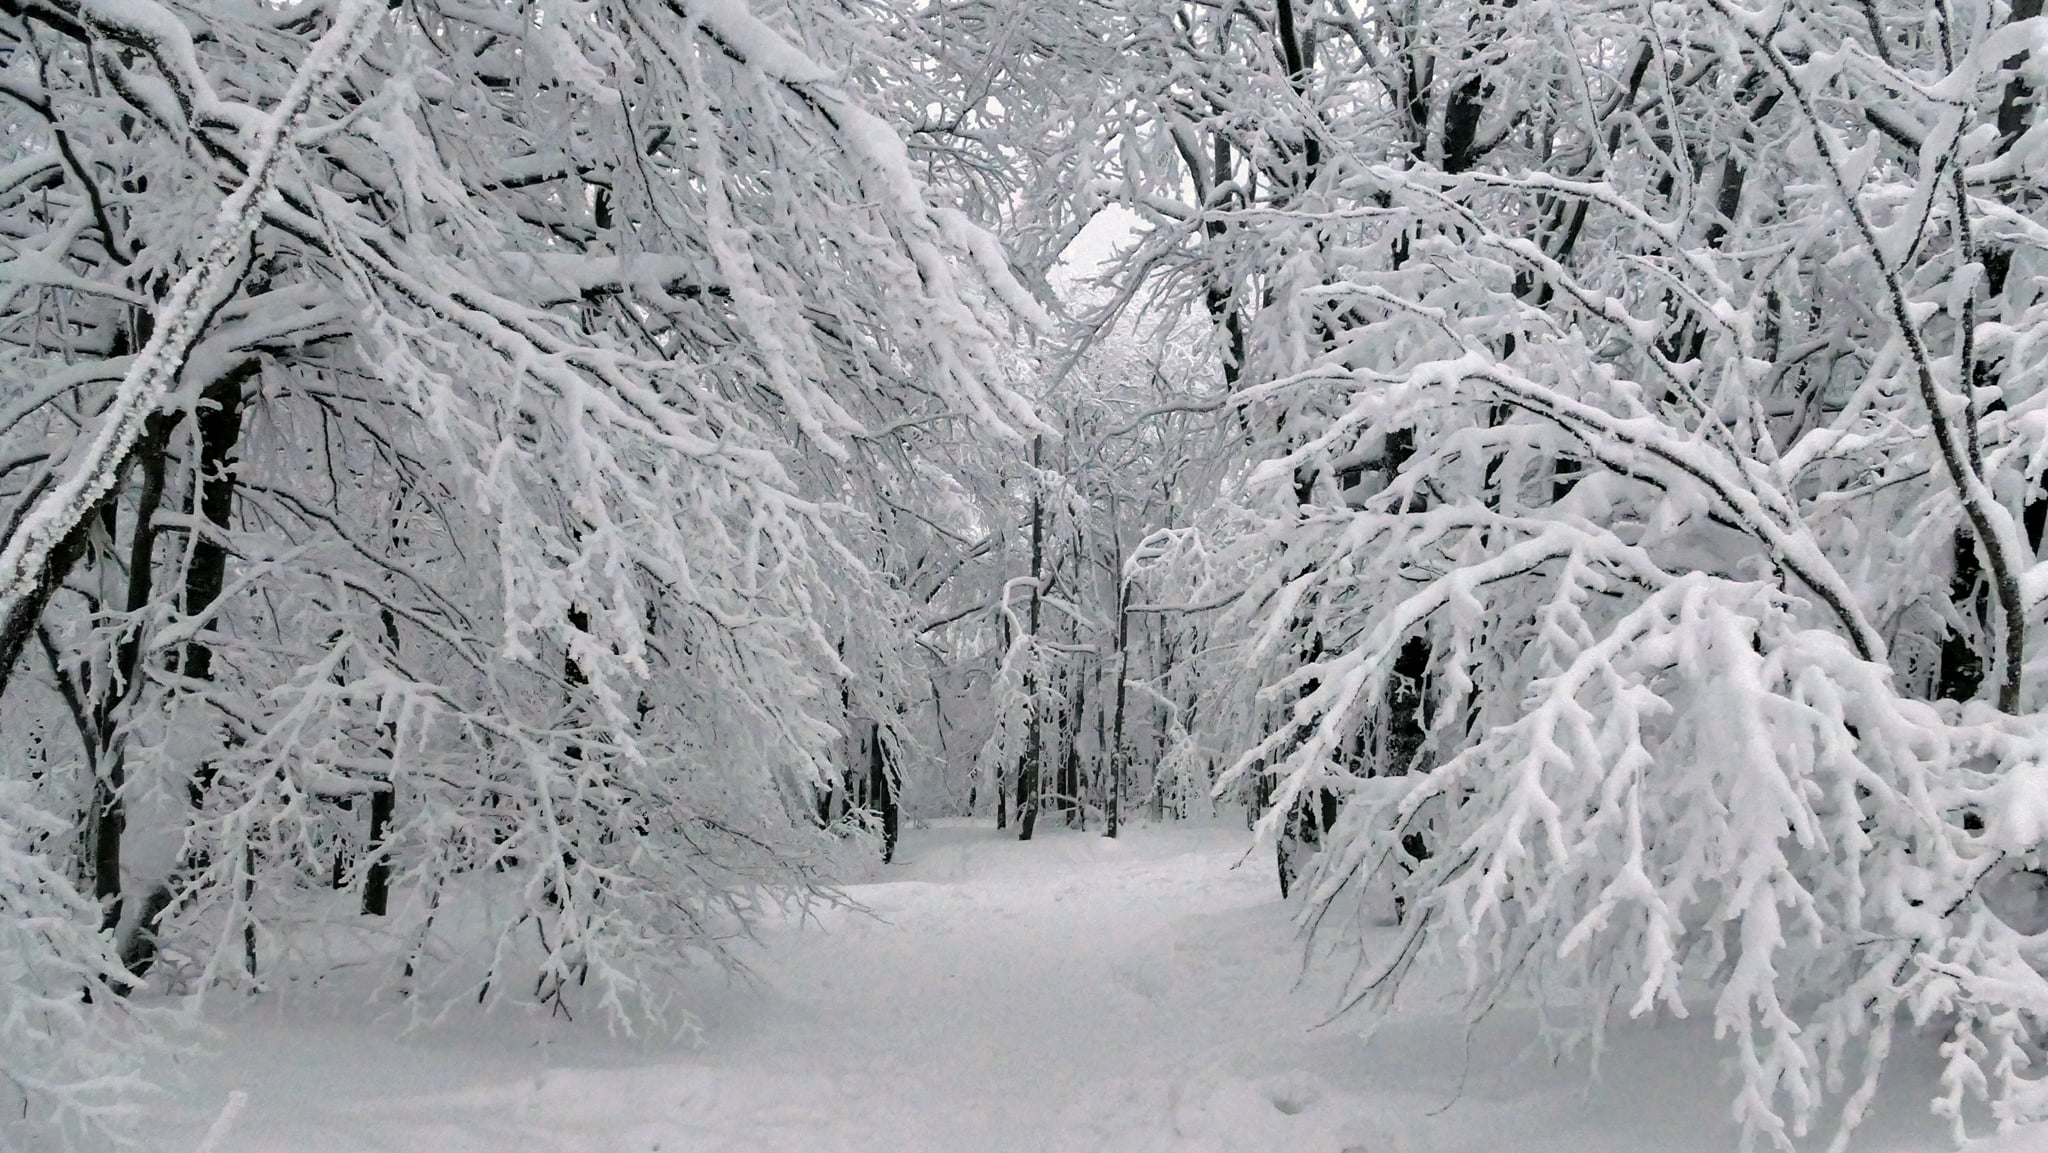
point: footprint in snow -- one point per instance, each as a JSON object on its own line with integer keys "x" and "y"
{"x": 1292, "y": 1093}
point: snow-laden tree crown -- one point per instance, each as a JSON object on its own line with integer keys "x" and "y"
{"x": 555, "y": 477}
{"x": 444, "y": 451}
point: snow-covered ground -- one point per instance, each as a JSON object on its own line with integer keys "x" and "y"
{"x": 1070, "y": 994}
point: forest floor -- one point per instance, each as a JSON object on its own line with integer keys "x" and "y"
{"x": 1069, "y": 995}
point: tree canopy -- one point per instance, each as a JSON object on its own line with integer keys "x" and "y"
{"x": 1572, "y": 475}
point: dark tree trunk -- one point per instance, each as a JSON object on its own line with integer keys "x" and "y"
{"x": 213, "y": 501}
{"x": 377, "y": 875}
{"x": 1027, "y": 774}
{"x": 1113, "y": 803}
{"x": 110, "y": 699}
{"x": 1070, "y": 767}
{"x": 1961, "y": 676}
{"x": 1001, "y": 782}
{"x": 214, "y": 489}
{"x": 882, "y": 791}
{"x": 1407, "y": 708}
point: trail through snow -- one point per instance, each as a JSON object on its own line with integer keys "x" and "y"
{"x": 1144, "y": 995}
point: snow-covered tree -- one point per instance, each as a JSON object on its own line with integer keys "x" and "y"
{"x": 447, "y": 451}
{"x": 1640, "y": 505}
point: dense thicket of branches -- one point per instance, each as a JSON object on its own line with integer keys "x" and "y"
{"x": 447, "y": 452}
{"x": 1641, "y": 495}
{"x": 1574, "y": 472}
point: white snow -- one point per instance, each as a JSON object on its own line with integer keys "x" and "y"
{"x": 1073, "y": 993}
{"x": 2017, "y": 810}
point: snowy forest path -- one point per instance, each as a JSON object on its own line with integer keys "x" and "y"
{"x": 1007, "y": 996}
{"x": 1067, "y": 995}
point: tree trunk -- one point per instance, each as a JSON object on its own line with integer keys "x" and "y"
{"x": 1113, "y": 806}
{"x": 1027, "y": 776}
{"x": 110, "y": 819}
{"x": 1961, "y": 675}
{"x": 1001, "y": 785}
{"x": 377, "y": 875}
{"x": 882, "y": 791}
{"x": 1070, "y": 767}
{"x": 213, "y": 501}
